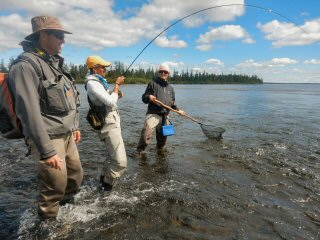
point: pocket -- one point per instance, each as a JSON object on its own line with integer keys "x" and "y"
{"x": 111, "y": 122}
{"x": 57, "y": 97}
{"x": 111, "y": 119}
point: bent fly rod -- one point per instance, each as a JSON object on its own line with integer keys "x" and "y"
{"x": 209, "y": 130}
{"x": 209, "y": 8}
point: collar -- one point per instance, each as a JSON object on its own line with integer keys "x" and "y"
{"x": 161, "y": 81}
{"x": 34, "y": 47}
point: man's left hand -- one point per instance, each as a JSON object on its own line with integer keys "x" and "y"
{"x": 181, "y": 112}
{"x": 77, "y": 136}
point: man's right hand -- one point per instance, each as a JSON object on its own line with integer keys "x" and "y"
{"x": 152, "y": 98}
{"x": 120, "y": 80}
{"x": 54, "y": 162}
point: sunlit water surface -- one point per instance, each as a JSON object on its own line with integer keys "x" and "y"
{"x": 262, "y": 181}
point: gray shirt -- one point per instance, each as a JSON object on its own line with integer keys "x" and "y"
{"x": 47, "y": 106}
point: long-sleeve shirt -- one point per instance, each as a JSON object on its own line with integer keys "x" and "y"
{"x": 100, "y": 96}
{"x": 164, "y": 92}
{"x": 46, "y": 107}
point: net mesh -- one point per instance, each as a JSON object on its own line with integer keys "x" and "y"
{"x": 212, "y": 132}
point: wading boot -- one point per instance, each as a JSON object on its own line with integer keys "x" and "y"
{"x": 105, "y": 186}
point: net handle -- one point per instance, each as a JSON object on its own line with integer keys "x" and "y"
{"x": 176, "y": 111}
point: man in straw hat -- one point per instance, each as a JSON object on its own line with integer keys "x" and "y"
{"x": 46, "y": 102}
{"x": 100, "y": 94}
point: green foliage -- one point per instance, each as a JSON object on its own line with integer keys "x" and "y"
{"x": 3, "y": 67}
{"x": 206, "y": 78}
{"x": 78, "y": 72}
{"x": 143, "y": 76}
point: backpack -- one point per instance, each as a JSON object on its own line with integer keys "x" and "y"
{"x": 96, "y": 115}
{"x": 10, "y": 125}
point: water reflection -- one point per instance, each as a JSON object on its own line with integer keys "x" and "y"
{"x": 261, "y": 181}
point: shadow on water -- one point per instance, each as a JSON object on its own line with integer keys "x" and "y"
{"x": 260, "y": 182}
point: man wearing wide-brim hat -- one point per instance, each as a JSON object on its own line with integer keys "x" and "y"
{"x": 46, "y": 102}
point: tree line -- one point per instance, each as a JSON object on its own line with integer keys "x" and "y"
{"x": 141, "y": 75}
{"x": 134, "y": 76}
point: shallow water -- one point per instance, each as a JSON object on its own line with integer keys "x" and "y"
{"x": 262, "y": 181}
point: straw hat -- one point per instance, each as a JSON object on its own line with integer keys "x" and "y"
{"x": 40, "y": 23}
{"x": 96, "y": 60}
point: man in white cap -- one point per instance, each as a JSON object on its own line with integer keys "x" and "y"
{"x": 160, "y": 89}
{"x": 46, "y": 102}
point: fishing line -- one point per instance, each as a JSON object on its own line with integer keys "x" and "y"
{"x": 205, "y": 9}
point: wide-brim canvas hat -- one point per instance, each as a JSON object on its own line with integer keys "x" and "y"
{"x": 93, "y": 61}
{"x": 40, "y": 23}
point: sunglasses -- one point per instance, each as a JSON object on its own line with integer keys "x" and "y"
{"x": 163, "y": 72}
{"x": 59, "y": 35}
{"x": 100, "y": 66}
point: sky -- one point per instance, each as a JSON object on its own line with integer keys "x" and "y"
{"x": 277, "y": 40}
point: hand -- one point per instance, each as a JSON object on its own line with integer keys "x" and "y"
{"x": 54, "y": 162}
{"x": 120, "y": 94}
{"x": 181, "y": 112}
{"x": 120, "y": 80}
{"x": 152, "y": 98}
{"x": 77, "y": 136}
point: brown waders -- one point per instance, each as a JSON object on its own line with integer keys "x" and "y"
{"x": 55, "y": 185}
{"x": 153, "y": 121}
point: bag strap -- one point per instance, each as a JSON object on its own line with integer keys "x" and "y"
{"x": 89, "y": 100}
{"x": 165, "y": 119}
{"x": 85, "y": 86}
{"x": 30, "y": 58}
{"x": 96, "y": 80}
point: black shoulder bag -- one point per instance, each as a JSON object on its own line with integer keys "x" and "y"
{"x": 96, "y": 116}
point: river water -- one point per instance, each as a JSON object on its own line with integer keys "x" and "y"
{"x": 261, "y": 181}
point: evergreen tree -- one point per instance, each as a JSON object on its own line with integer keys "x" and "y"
{"x": 3, "y": 67}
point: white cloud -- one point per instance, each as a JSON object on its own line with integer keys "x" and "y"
{"x": 96, "y": 25}
{"x": 166, "y": 11}
{"x": 204, "y": 47}
{"x": 280, "y": 70}
{"x": 214, "y": 61}
{"x": 282, "y": 61}
{"x": 9, "y": 36}
{"x": 174, "y": 66}
{"x": 216, "y": 11}
{"x": 275, "y": 62}
{"x": 312, "y": 61}
{"x": 196, "y": 69}
{"x": 249, "y": 63}
{"x": 289, "y": 34}
{"x": 224, "y": 33}
{"x": 249, "y": 40}
{"x": 171, "y": 42}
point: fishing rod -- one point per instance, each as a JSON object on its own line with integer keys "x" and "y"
{"x": 205, "y": 9}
